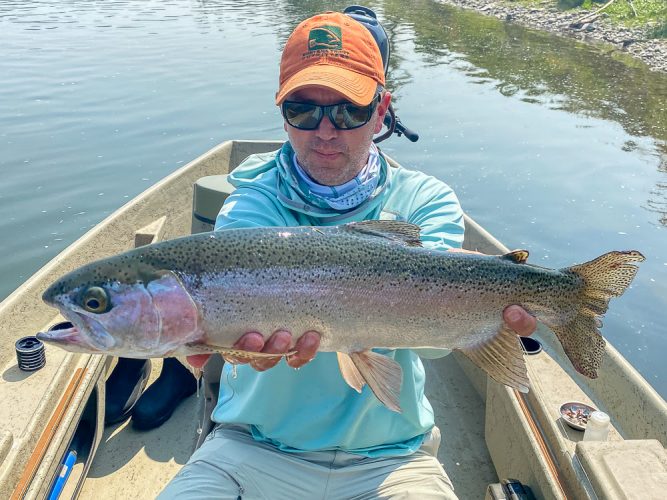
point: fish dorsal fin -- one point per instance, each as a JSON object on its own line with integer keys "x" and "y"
{"x": 382, "y": 374}
{"x": 401, "y": 232}
{"x": 501, "y": 357}
{"x": 517, "y": 256}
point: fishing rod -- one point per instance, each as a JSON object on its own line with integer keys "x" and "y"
{"x": 367, "y": 17}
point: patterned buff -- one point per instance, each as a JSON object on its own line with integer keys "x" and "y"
{"x": 346, "y": 196}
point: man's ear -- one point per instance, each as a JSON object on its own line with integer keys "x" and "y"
{"x": 382, "y": 108}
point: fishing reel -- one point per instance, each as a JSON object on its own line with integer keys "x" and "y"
{"x": 367, "y": 17}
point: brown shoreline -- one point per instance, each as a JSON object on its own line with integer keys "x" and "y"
{"x": 653, "y": 52}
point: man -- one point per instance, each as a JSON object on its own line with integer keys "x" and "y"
{"x": 304, "y": 433}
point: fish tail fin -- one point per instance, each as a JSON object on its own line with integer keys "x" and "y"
{"x": 605, "y": 277}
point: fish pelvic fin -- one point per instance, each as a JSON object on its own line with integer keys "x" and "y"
{"x": 405, "y": 233}
{"x": 501, "y": 357}
{"x": 382, "y": 374}
{"x": 349, "y": 372}
{"x": 605, "y": 277}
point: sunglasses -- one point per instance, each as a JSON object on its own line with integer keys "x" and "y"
{"x": 343, "y": 116}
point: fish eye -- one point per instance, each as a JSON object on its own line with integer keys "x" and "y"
{"x": 96, "y": 300}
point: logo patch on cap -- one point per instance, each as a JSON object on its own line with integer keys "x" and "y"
{"x": 325, "y": 38}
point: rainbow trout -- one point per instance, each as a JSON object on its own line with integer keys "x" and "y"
{"x": 361, "y": 285}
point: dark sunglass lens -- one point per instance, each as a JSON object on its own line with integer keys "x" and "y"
{"x": 302, "y": 115}
{"x": 350, "y": 116}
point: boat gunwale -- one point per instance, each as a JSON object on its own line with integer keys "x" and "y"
{"x": 615, "y": 372}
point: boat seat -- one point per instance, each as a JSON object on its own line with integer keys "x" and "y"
{"x": 209, "y": 194}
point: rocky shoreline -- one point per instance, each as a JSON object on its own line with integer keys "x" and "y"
{"x": 653, "y": 52}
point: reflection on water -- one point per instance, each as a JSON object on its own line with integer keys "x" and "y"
{"x": 658, "y": 201}
{"x": 554, "y": 145}
{"x": 545, "y": 69}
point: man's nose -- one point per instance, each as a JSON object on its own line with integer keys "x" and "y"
{"x": 326, "y": 130}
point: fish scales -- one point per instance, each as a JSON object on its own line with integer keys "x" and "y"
{"x": 361, "y": 285}
{"x": 308, "y": 279}
{"x": 337, "y": 283}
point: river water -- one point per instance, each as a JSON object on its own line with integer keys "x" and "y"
{"x": 552, "y": 145}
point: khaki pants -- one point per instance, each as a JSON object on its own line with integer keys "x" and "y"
{"x": 231, "y": 465}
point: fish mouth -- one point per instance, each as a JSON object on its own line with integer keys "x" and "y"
{"x": 71, "y": 339}
{"x": 67, "y": 336}
{"x": 84, "y": 333}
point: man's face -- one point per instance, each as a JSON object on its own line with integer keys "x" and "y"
{"x": 332, "y": 157}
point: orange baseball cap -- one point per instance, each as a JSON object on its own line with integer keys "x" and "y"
{"x": 331, "y": 50}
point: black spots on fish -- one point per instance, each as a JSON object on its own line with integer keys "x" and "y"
{"x": 422, "y": 283}
{"x": 610, "y": 273}
{"x": 124, "y": 275}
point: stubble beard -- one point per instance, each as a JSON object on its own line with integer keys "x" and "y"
{"x": 336, "y": 171}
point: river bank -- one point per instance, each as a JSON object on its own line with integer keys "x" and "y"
{"x": 633, "y": 41}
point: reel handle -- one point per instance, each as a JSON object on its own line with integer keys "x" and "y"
{"x": 411, "y": 135}
{"x": 395, "y": 126}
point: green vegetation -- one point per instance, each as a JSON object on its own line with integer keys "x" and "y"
{"x": 660, "y": 30}
{"x": 630, "y": 13}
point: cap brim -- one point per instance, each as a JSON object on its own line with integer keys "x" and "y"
{"x": 359, "y": 89}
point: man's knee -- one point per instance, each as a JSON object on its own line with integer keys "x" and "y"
{"x": 420, "y": 477}
{"x": 432, "y": 487}
{"x": 431, "y": 443}
{"x": 201, "y": 479}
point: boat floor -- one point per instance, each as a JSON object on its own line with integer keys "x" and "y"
{"x": 131, "y": 464}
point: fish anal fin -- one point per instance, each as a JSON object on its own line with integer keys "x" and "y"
{"x": 501, "y": 357}
{"x": 517, "y": 256}
{"x": 382, "y": 374}
{"x": 405, "y": 233}
{"x": 229, "y": 352}
{"x": 350, "y": 373}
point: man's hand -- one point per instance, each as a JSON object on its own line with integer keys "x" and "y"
{"x": 280, "y": 342}
{"x": 519, "y": 320}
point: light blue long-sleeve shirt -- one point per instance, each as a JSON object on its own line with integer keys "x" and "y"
{"x": 313, "y": 408}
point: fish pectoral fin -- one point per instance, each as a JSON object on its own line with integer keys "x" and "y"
{"x": 405, "y": 233}
{"x": 234, "y": 353}
{"x": 501, "y": 356}
{"x": 382, "y": 374}
{"x": 350, "y": 372}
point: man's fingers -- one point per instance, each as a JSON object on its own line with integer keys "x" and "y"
{"x": 251, "y": 341}
{"x": 278, "y": 343}
{"x": 306, "y": 348}
{"x": 519, "y": 320}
